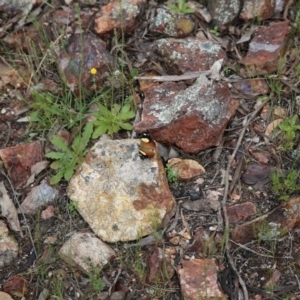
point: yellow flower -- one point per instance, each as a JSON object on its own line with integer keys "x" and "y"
{"x": 93, "y": 71}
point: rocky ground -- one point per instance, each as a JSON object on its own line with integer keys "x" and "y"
{"x": 149, "y": 150}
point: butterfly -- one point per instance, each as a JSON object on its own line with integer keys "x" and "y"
{"x": 147, "y": 146}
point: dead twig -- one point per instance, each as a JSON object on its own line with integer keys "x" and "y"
{"x": 186, "y": 76}
{"x": 259, "y": 254}
{"x": 226, "y": 189}
{"x": 286, "y": 9}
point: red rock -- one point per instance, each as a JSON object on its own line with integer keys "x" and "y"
{"x": 169, "y": 24}
{"x": 256, "y": 173}
{"x": 48, "y": 212}
{"x": 241, "y": 212}
{"x": 16, "y": 286}
{"x": 155, "y": 263}
{"x": 18, "y": 161}
{"x": 186, "y": 168}
{"x": 199, "y": 279}
{"x": 285, "y": 217}
{"x": 203, "y": 242}
{"x": 83, "y": 53}
{"x": 261, "y": 157}
{"x": 252, "y": 87}
{"x": 264, "y": 9}
{"x": 258, "y": 9}
{"x": 118, "y": 15}
{"x": 193, "y": 119}
{"x": 223, "y": 12}
{"x": 178, "y": 55}
{"x": 265, "y": 49}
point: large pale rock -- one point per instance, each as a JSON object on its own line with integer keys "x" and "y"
{"x": 192, "y": 119}
{"x": 8, "y": 246}
{"x": 121, "y": 196}
{"x": 86, "y": 252}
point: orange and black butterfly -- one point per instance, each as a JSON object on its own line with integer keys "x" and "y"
{"x": 147, "y": 146}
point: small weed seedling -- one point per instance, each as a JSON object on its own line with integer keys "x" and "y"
{"x": 284, "y": 185}
{"x": 180, "y": 8}
{"x": 215, "y": 31}
{"x": 289, "y": 128}
{"x": 111, "y": 121}
{"x": 172, "y": 175}
{"x": 73, "y": 206}
{"x": 96, "y": 281}
{"x": 66, "y": 160}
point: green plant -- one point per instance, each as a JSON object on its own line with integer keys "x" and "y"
{"x": 172, "y": 175}
{"x": 284, "y": 185}
{"x": 288, "y": 128}
{"x": 269, "y": 233}
{"x": 181, "y": 7}
{"x": 96, "y": 281}
{"x": 49, "y": 109}
{"x": 276, "y": 87}
{"x": 66, "y": 160}
{"x": 73, "y": 207}
{"x": 112, "y": 120}
{"x": 215, "y": 31}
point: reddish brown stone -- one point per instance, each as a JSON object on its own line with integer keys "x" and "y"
{"x": 199, "y": 280}
{"x": 173, "y": 25}
{"x": 264, "y": 9}
{"x": 186, "y": 168}
{"x": 155, "y": 264}
{"x": 84, "y": 52}
{"x": 19, "y": 160}
{"x": 223, "y": 12}
{"x": 193, "y": 119}
{"x": 265, "y": 49}
{"x": 256, "y": 173}
{"x": 285, "y": 217}
{"x": 178, "y": 55}
{"x": 241, "y": 212}
{"x": 16, "y": 286}
{"x": 203, "y": 242}
{"x": 252, "y": 87}
{"x": 118, "y": 15}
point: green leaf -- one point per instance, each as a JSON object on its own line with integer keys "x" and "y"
{"x": 134, "y": 72}
{"x": 99, "y": 131}
{"x": 127, "y": 115}
{"x": 115, "y": 109}
{"x": 69, "y": 173}
{"x": 86, "y": 135}
{"x": 57, "y": 177}
{"x": 126, "y": 126}
{"x": 125, "y": 108}
{"x": 56, "y": 165}
{"x": 59, "y": 143}
{"x": 55, "y": 155}
{"x": 103, "y": 110}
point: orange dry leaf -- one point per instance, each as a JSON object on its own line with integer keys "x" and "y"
{"x": 272, "y": 126}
